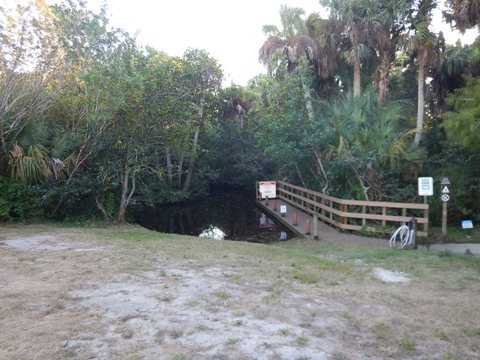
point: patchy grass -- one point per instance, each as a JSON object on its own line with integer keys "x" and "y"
{"x": 407, "y": 344}
{"x": 454, "y": 234}
{"x": 222, "y": 294}
{"x": 297, "y": 293}
{"x": 306, "y": 278}
{"x": 396, "y": 259}
{"x": 302, "y": 339}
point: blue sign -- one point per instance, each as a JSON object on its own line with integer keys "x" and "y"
{"x": 467, "y": 224}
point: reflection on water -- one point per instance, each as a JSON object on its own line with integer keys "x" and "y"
{"x": 222, "y": 216}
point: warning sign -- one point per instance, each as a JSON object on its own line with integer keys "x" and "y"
{"x": 268, "y": 189}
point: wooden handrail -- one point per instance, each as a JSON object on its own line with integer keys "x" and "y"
{"x": 339, "y": 212}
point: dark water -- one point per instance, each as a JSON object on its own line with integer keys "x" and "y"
{"x": 222, "y": 215}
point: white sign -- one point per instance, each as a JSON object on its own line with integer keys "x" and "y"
{"x": 467, "y": 224}
{"x": 425, "y": 186}
{"x": 445, "y": 197}
{"x": 283, "y": 209}
{"x": 268, "y": 189}
{"x": 445, "y": 190}
{"x": 444, "y": 181}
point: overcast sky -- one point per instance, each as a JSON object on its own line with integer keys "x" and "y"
{"x": 231, "y": 31}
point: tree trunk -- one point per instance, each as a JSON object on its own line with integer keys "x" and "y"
{"x": 126, "y": 195}
{"x": 322, "y": 171}
{"x": 383, "y": 81}
{"x": 180, "y": 170}
{"x": 101, "y": 207}
{"x": 300, "y": 176}
{"x": 422, "y": 58}
{"x": 356, "y": 79}
{"x": 191, "y": 163}
{"x": 308, "y": 101}
{"x": 168, "y": 157}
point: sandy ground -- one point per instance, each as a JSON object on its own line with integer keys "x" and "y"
{"x": 73, "y": 294}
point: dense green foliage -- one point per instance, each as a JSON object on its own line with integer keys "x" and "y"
{"x": 357, "y": 105}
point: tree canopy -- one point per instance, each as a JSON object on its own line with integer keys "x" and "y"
{"x": 355, "y": 104}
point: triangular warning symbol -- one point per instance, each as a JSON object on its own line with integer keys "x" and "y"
{"x": 445, "y": 190}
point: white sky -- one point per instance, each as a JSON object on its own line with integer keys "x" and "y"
{"x": 231, "y": 31}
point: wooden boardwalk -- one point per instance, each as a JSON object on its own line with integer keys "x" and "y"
{"x": 301, "y": 229}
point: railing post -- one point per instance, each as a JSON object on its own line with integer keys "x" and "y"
{"x": 364, "y": 212}
{"x": 384, "y": 213}
{"x": 425, "y": 226}
{"x": 331, "y": 214}
{"x": 315, "y": 227}
{"x": 344, "y": 219}
{"x": 308, "y": 227}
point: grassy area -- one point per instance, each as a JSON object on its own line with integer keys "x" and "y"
{"x": 454, "y": 235}
{"x": 194, "y": 248}
{"x": 392, "y": 258}
{"x": 307, "y": 261}
{"x": 300, "y": 292}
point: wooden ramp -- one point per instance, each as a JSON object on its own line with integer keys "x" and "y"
{"x": 308, "y": 213}
{"x": 324, "y": 231}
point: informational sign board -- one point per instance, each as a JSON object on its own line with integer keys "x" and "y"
{"x": 268, "y": 189}
{"x": 467, "y": 224}
{"x": 444, "y": 181}
{"x": 283, "y": 209}
{"x": 425, "y": 186}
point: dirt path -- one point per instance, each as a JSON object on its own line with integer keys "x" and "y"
{"x": 80, "y": 294}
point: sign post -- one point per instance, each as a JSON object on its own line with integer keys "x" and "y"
{"x": 467, "y": 225}
{"x": 445, "y": 190}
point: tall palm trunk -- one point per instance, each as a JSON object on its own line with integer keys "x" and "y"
{"x": 356, "y": 79}
{"x": 422, "y": 59}
{"x": 382, "y": 74}
{"x": 308, "y": 101}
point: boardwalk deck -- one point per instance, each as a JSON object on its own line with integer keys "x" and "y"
{"x": 325, "y": 232}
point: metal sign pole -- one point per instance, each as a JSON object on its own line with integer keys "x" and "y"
{"x": 445, "y": 186}
{"x": 444, "y": 218}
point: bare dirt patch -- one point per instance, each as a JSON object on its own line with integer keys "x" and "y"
{"x": 81, "y": 294}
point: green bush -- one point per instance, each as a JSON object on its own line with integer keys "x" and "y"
{"x": 18, "y": 202}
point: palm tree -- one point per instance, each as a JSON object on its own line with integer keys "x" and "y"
{"x": 391, "y": 15}
{"x": 358, "y": 27}
{"x": 367, "y": 140}
{"x": 37, "y": 154}
{"x": 420, "y": 44}
{"x": 463, "y": 14}
{"x": 301, "y": 40}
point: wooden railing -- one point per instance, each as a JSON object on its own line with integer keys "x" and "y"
{"x": 371, "y": 216}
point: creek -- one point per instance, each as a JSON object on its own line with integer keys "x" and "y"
{"x": 223, "y": 215}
